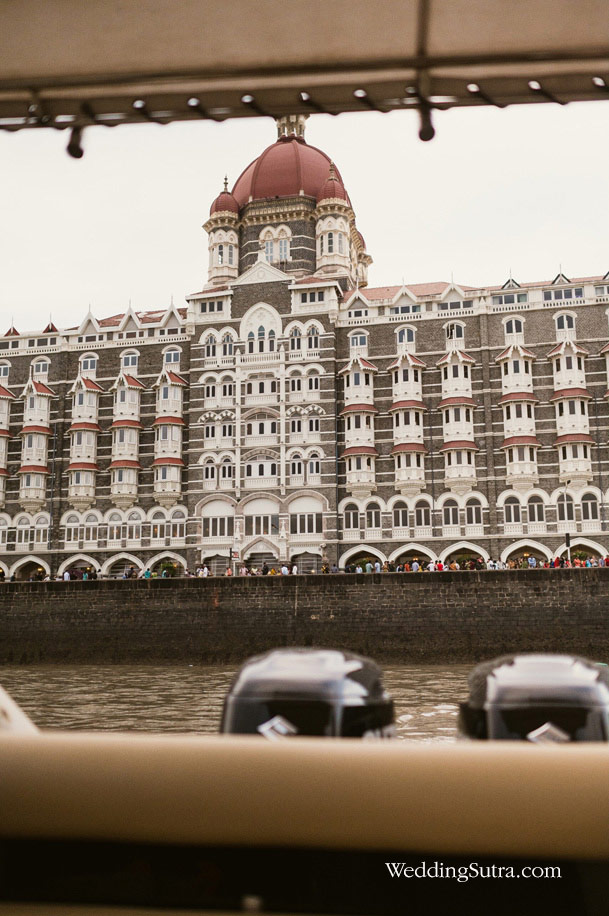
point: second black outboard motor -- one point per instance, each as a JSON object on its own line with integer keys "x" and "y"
{"x": 538, "y": 698}
{"x": 326, "y": 692}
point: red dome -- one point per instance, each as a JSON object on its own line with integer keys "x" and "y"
{"x": 285, "y": 169}
{"x": 332, "y": 188}
{"x": 224, "y": 201}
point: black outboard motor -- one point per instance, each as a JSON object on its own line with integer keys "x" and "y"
{"x": 538, "y": 698}
{"x": 326, "y": 692}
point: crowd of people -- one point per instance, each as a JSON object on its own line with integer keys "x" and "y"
{"x": 364, "y": 566}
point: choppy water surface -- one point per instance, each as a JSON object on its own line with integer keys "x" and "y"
{"x": 189, "y": 699}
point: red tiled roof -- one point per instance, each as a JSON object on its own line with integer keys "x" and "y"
{"x": 134, "y": 424}
{"x": 574, "y": 437}
{"x": 359, "y": 450}
{"x": 463, "y": 356}
{"x": 170, "y": 421}
{"x": 12, "y": 332}
{"x": 410, "y": 357}
{"x": 173, "y": 461}
{"x": 33, "y": 428}
{"x": 50, "y": 329}
{"x": 457, "y": 399}
{"x": 506, "y": 354}
{"x": 365, "y": 364}
{"x": 359, "y": 408}
{"x": 84, "y": 424}
{"x": 176, "y": 379}
{"x": 518, "y": 396}
{"x": 570, "y": 393}
{"x": 125, "y": 463}
{"x": 537, "y": 284}
{"x": 398, "y": 405}
{"x": 458, "y": 443}
{"x": 41, "y": 388}
{"x": 521, "y": 440}
{"x": 91, "y": 385}
{"x": 5, "y": 393}
{"x": 83, "y": 466}
{"x": 605, "y": 349}
{"x": 5, "y": 433}
{"x": 408, "y": 447}
{"x": 559, "y": 348}
{"x": 132, "y": 381}
{"x": 211, "y": 291}
{"x": 33, "y": 468}
{"x": 3, "y": 472}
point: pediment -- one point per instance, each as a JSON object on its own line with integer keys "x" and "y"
{"x": 260, "y": 272}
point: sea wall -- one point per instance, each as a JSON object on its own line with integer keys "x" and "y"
{"x": 422, "y": 617}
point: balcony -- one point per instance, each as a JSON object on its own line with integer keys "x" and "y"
{"x": 361, "y": 483}
{"x": 373, "y": 534}
{"x": 297, "y": 480}
{"x": 352, "y": 534}
{"x": 537, "y": 528}
{"x": 423, "y": 532}
{"x": 451, "y": 531}
{"x": 460, "y": 478}
{"x": 314, "y": 480}
{"x": 248, "y": 359}
{"x": 167, "y": 492}
{"x": 123, "y": 494}
{"x": 474, "y": 531}
{"x": 260, "y": 483}
{"x": 253, "y": 400}
{"x": 410, "y": 481}
{"x": 127, "y": 450}
{"x": 210, "y": 484}
{"x": 166, "y": 448}
{"x": 511, "y": 529}
{"x": 170, "y": 407}
{"x": 81, "y": 495}
{"x": 255, "y": 441}
{"x": 227, "y": 483}
{"x": 34, "y": 455}
{"x": 401, "y": 534}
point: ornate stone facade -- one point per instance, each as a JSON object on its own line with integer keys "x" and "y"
{"x": 291, "y": 413}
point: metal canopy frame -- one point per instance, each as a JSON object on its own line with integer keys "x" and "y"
{"x": 68, "y": 64}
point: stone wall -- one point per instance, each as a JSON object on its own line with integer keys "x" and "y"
{"x": 423, "y": 617}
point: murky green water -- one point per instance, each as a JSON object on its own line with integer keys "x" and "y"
{"x": 189, "y": 699}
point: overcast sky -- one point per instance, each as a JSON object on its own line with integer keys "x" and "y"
{"x": 524, "y": 189}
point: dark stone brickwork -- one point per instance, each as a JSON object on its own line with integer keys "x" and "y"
{"x": 434, "y": 618}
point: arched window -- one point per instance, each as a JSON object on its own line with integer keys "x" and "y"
{"x": 373, "y": 516}
{"x": 227, "y": 469}
{"x": 565, "y": 322}
{"x": 454, "y": 331}
{"x": 228, "y": 388}
{"x": 220, "y": 254}
{"x": 261, "y": 336}
{"x": 536, "y": 509}
{"x": 41, "y": 367}
{"x": 513, "y": 326}
{"x": 451, "y": 513}
{"x": 178, "y": 524}
{"x": 172, "y": 356}
{"x": 295, "y": 339}
{"x": 134, "y": 526}
{"x": 313, "y": 338}
{"x": 158, "y": 527}
{"x": 422, "y": 515}
{"x": 400, "y": 515}
{"x": 71, "y": 526}
{"x": 210, "y": 346}
{"x": 405, "y": 335}
{"x": 5, "y": 368}
{"x": 296, "y": 466}
{"x": 314, "y": 465}
{"x": 129, "y": 360}
{"x": 473, "y": 512}
{"x": 114, "y": 527}
{"x": 209, "y": 470}
{"x": 511, "y": 511}
{"x": 271, "y": 341}
{"x": 358, "y": 340}
{"x": 227, "y": 345}
{"x": 90, "y": 533}
{"x": 250, "y": 342}
{"x": 88, "y": 363}
{"x": 566, "y": 509}
{"x": 589, "y": 508}
{"x": 351, "y": 517}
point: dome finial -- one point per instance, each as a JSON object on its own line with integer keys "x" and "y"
{"x": 291, "y": 125}
{"x": 226, "y": 182}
